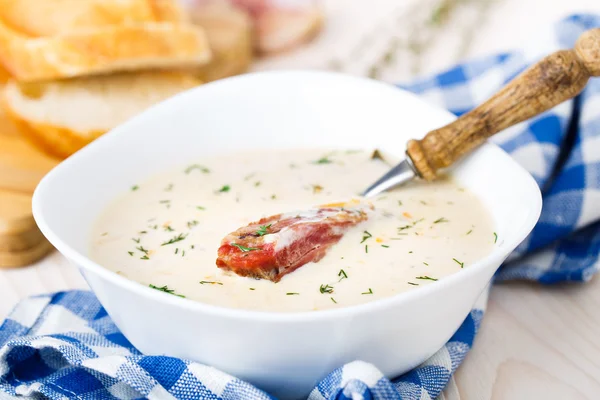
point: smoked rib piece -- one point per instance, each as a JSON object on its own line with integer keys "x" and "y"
{"x": 280, "y": 244}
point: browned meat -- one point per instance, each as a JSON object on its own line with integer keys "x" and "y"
{"x": 280, "y": 244}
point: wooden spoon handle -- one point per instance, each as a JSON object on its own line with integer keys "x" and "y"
{"x": 556, "y": 78}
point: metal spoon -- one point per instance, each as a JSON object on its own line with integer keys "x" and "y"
{"x": 553, "y": 80}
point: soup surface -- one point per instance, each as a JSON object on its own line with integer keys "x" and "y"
{"x": 165, "y": 232}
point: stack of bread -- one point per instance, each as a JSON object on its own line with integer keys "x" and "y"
{"x": 71, "y": 70}
{"x": 80, "y": 67}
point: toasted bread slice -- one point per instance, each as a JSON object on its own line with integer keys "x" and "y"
{"x": 61, "y": 117}
{"x": 35, "y": 18}
{"x": 229, "y": 32}
{"x": 88, "y": 37}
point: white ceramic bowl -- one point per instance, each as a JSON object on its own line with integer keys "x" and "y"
{"x": 285, "y": 354}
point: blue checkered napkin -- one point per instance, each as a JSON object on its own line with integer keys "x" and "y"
{"x": 65, "y": 346}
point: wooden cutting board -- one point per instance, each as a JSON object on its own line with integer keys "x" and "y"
{"x": 21, "y": 168}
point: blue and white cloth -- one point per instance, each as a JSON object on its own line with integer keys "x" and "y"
{"x": 65, "y": 346}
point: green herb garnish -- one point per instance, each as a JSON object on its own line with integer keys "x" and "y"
{"x": 211, "y": 283}
{"x": 252, "y": 288}
{"x": 224, "y": 189}
{"x": 366, "y": 235}
{"x": 425, "y": 263}
{"x": 142, "y": 249}
{"x": 130, "y": 253}
{"x": 175, "y": 239}
{"x": 326, "y": 289}
{"x": 166, "y": 290}
{"x": 369, "y": 292}
{"x": 462, "y": 265}
{"x": 366, "y": 248}
{"x": 468, "y": 233}
{"x": 137, "y": 240}
{"x": 412, "y": 283}
{"x": 244, "y": 249}
{"x": 426, "y": 278}
{"x": 168, "y": 228}
{"x": 292, "y": 294}
{"x": 200, "y": 208}
{"x": 332, "y": 299}
{"x": 144, "y": 257}
{"x": 323, "y": 160}
{"x": 262, "y": 231}
{"x": 134, "y": 188}
{"x": 342, "y": 274}
{"x": 257, "y": 184}
{"x": 440, "y": 220}
{"x": 385, "y": 246}
{"x": 192, "y": 223}
{"x": 495, "y": 237}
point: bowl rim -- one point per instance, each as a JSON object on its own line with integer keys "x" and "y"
{"x": 83, "y": 262}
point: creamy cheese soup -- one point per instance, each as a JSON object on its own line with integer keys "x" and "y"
{"x": 165, "y": 232}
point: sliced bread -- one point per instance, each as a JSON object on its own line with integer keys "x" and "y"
{"x": 88, "y": 37}
{"x": 63, "y": 116}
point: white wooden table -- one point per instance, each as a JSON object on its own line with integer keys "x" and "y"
{"x": 535, "y": 342}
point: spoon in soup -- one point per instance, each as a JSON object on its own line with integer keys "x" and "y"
{"x": 275, "y": 246}
{"x": 553, "y": 80}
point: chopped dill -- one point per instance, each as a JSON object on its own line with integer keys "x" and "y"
{"x": 440, "y": 220}
{"x": 166, "y": 290}
{"x": 366, "y": 235}
{"x": 462, "y": 264}
{"x": 244, "y": 249}
{"x": 142, "y": 249}
{"x": 323, "y": 160}
{"x": 426, "y": 278}
{"x": 369, "y": 292}
{"x": 326, "y": 289}
{"x": 210, "y": 283}
{"x": 262, "y": 231}
{"x": 342, "y": 274}
{"x": 175, "y": 239}
{"x": 332, "y": 299}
